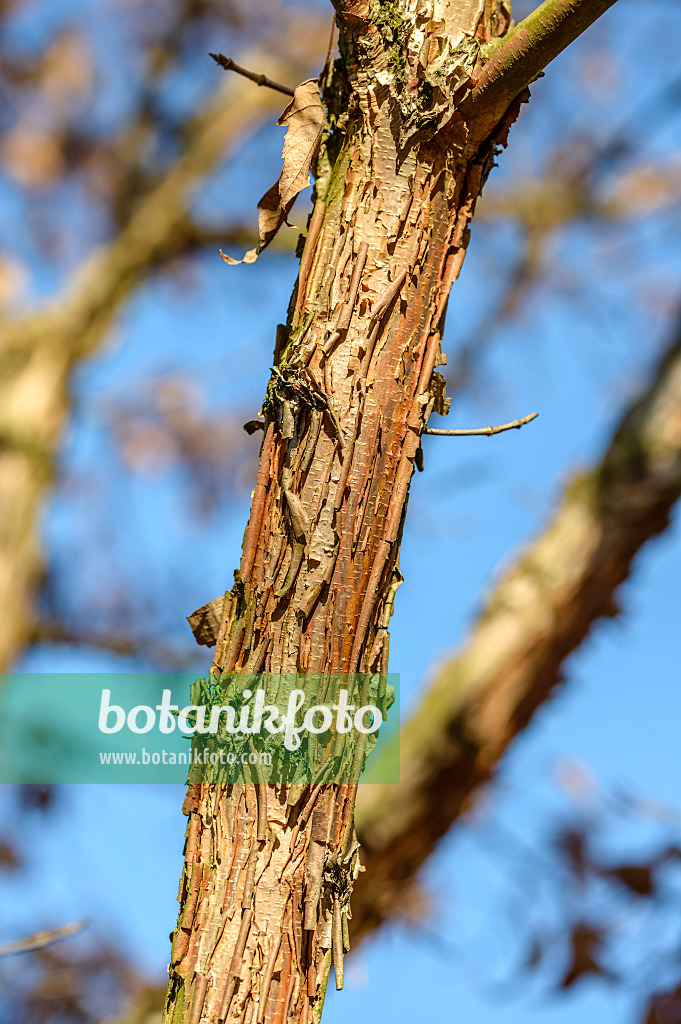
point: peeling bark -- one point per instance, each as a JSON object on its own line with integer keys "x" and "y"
{"x": 485, "y": 696}
{"x": 398, "y": 177}
{"x": 350, "y": 394}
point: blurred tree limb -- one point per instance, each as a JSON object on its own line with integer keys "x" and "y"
{"x": 534, "y": 618}
{"x": 39, "y": 350}
{"x": 42, "y": 939}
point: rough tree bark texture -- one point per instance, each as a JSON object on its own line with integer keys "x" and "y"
{"x": 482, "y": 698}
{"x": 407, "y": 147}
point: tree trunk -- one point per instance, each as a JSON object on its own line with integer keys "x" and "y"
{"x": 407, "y": 147}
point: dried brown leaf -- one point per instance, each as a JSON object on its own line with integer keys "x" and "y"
{"x": 664, "y": 1007}
{"x": 303, "y": 119}
{"x": 205, "y": 622}
{"x": 637, "y": 878}
{"x": 438, "y": 389}
{"x": 572, "y": 844}
{"x": 270, "y": 219}
{"x": 9, "y": 857}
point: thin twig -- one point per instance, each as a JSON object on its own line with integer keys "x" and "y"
{"x": 229, "y": 65}
{"x": 42, "y": 939}
{"x": 485, "y": 431}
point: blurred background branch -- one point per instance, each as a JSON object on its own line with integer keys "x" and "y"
{"x": 38, "y": 351}
{"x": 533, "y": 619}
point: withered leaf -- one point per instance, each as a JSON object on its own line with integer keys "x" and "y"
{"x": 253, "y": 425}
{"x": 303, "y": 119}
{"x": 438, "y": 389}
{"x": 9, "y": 856}
{"x": 573, "y": 845}
{"x": 270, "y": 219}
{"x": 205, "y": 622}
{"x": 664, "y": 1007}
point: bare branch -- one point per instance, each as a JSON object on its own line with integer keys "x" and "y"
{"x": 521, "y": 56}
{"x": 42, "y": 939}
{"x": 484, "y": 431}
{"x": 231, "y": 65}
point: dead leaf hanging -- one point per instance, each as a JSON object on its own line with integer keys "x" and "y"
{"x": 270, "y": 219}
{"x": 303, "y": 119}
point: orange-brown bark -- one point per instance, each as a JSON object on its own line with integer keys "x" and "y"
{"x": 350, "y": 394}
{"x": 399, "y": 175}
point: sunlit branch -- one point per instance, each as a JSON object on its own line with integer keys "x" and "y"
{"x": 518, "y": 58}
{"x": 231, "y": 65}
